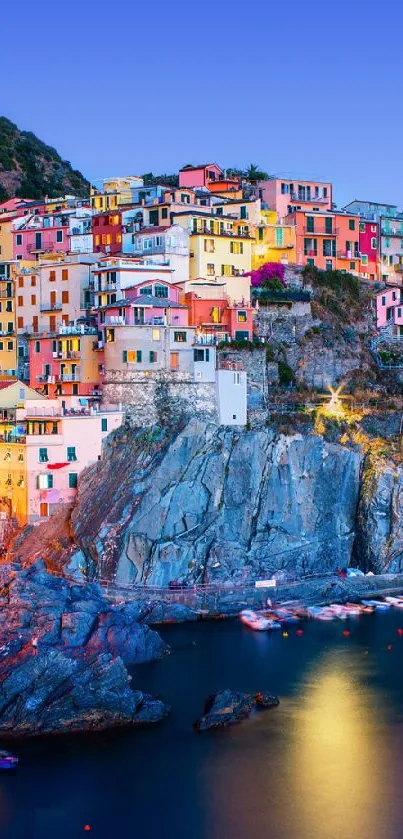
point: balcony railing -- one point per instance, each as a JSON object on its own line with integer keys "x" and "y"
{"x": 69, "y": 377}
{"x": 313, "y": 233}
{"x": 46, "y": 247}
{"x": 394, "y": 233}
{"x": 51, "y": 307}
{"x": 4, "y": 293}
{"x": 349, "y": 255}
{"x": 106, "y": 287}
{"x": 7, "y": 332}
{"x": 210, "y": 338}
{"x": 308, "y": 199}
{"x": 205, "y": 231}
{"x": 62, "y": 356}
{"x": 114, "y": 320}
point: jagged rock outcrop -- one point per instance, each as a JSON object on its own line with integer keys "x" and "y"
{"x": 54, "y": 692}
{"x": 63, "y": 650}
{"x": 379, "y": 531}
{"x": 230, "y": 707}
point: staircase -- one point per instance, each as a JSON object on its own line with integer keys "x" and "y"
{"x": 386, "y": 336}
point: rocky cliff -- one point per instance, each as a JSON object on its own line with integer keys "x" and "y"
{"x": 207, "y": 503}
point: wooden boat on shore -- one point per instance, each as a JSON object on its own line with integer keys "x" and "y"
{"x": 257, "y": 621}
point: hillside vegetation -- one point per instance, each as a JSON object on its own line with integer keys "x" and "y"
{"x": 31, "y": 169}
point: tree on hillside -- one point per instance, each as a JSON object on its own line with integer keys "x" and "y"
{"x": 253, "y": 173}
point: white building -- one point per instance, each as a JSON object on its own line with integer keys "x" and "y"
{"x": 166, "y": 245}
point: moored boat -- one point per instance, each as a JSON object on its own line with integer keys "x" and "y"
{"x": 7, "y": 760}
{"x": 257, "y": 621}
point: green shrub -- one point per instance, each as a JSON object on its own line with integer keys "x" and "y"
{"x": 286, "y": 374}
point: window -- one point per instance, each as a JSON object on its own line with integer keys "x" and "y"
{"x": 236, "y": 247}
{"x": 37, "y": 346}
{"x": 351, "y": 224}
{"x": 59, "y": 235}
{"x": 383, "y": 300}
{"x": 225, "y": 270}
{"x": 284, "y": 189}
{"x": 329, "y": 247}
{"x": 110, "y": 336}
{"x": 43, "y": 456}
{"x": 147, "y": 289}
{"x": 209, "y": 245}
{"x": 201, "y": 355}
{"x": 19, "y": 239}
{"x": 33, "y": 281}
{"x": 237, "y": 378}
{"x": 161, "y": 291}
{"x": 164, "y": 212}
{"x": 65, "y": 297}
{"x": 20, "y": 282}
{"x": 45, "y": 482}
{"x": 139, "y": 356}
{"x": 52, "y": 276}
{"x": 180, "y": 337}
{"x": 20, "y": 301}
{"x": 387, "y": 243}
{"x": 241, "y": 335}
{"x": 364, "y": 259}
{"x": 362, "y": 227}
{"x": 20, "y": 322}
{"x": 33, "y": 299}
{"x": 261, "y": 234}
{"x": 374, "y": 243}
{"x": 156, "y": 334}
{"x": 124, "y": 356}
{"x": 104, "y": 424}
{"x": 244, "y": 212}
{"x": 10, "y": 346}
{"x": 153, "y": 357}
{"x": 210, "y": 269}
{"x": 310, "y": 224}
{"x": 325, "y": 191}
{"x": 399, "y": 311}
{"x": 328, "y": 225}
{"x": 71, "y": 454}
{"x": 242, "y": 316}
{"x": 73, "y": 480}
{"x": 352, "y": 266}
{"x": 65, "y": 273}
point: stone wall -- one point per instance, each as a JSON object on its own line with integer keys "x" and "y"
{"x": 283, "y": 323}
{"x": 160, "y": 397}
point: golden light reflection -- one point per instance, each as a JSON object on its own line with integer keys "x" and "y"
{"x": 337, "y": 764}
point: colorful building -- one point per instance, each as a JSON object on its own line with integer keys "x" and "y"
{"x": 389, "y": 309}
{"x": 54, "y": 293}
{"x": 329, "y": 241}
{"x": 285, "y": 196}
{"x": 390, "y": 236}
{"x": 43, "y": 449}
{"x": 274, "y": 242}
{"x": 219, "y": 246}
{"x": 199, "y": 176}
{"x": 114, "y": 192}
{"x": 167, "y": 246}
{"x": 218, "y": 318}
{"x": 112, "y": 275}
{"x": 369, "y": 249}
{"x": 66, "y": 363}
{"x": 8, "y": 331}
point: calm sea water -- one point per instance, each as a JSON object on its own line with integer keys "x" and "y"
{"x": 328, "y": 762}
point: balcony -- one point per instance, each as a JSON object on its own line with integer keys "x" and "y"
{"x": 51, "y": 307}
{"x": 107, "y": 287}
{"x": 349, "y": 255}
{"x": 205, "y": 231}
{"x": 114, "y": 320}
{"x": 309, "y": 199}
{"x": 68, "y": 354}
{"x": 4, "y": 293}
{"x": 46, "y": 247}
{"x": 69, "y": 377}
{"x": 313, "y": 233}
{"x": 392, "y": 234}
{"x": 7, "y": 333}
{"x": 398, "y": 267}
{"x": 210, "y": 339}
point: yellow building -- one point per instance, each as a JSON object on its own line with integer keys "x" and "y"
{"x": 114, "y": 192}
{"x": 6, "y": 237}
{"x": 13, "y": 454}
{"x": 8, "y": 331}
{"x": 218, "y": 246}
{"x": 273, "y": 242}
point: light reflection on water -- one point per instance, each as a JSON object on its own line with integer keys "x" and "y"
{"x": 327, "y": 763}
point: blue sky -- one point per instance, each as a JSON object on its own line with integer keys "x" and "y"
{"x": 307, "y": 89}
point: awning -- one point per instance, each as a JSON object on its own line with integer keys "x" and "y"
{"x": 56, "y": 465}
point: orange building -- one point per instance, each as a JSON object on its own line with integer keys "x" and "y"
{"x": 216, "y": 316}
{"x": 329, "y": 241}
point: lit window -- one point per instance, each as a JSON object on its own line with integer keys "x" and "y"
{"x": 180, "y": 337}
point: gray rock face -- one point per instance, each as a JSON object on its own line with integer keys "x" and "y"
{"x": 230, "y": 707}
{"x": 379, "y": 541}
{"x": 223, "y": 504}
{"x": 51, "y": 691}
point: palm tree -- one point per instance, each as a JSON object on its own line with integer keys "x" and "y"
{"x": 253, "y": 173}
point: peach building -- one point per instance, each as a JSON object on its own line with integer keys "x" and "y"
{"x": 285, "y": 196}
{"x": 43, "y": 449}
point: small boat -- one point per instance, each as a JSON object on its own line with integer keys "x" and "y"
{"x": 258, "y": 622}
{"x": 380, "y": 605}
{"x": 321, "y": 613}
{"x": 395, "y": 601}
{"x": 7, "y": 760}
{"x": 286, "y": 615}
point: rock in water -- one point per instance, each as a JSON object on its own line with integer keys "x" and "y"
{"x": 52, "y": 692}
{"x": 229, "y": 707}
{"x": 75, "y": 679}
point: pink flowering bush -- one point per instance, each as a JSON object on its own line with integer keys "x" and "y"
{"x": 270, "y": 273}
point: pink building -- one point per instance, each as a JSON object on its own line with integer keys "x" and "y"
{"x": 153, "y": 303}
{"x": 66, "y": 363}
{"x": 196, "y": 176}
{"x": 55, "y": 458}
{"x": 285, "y": 196}
{"x": 34, "y": 235}
{"x": 389, "y": 309}
{"x": 369, "y": 248}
